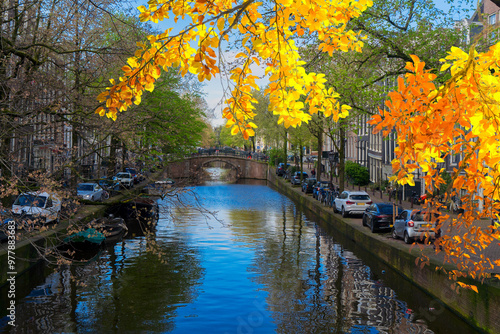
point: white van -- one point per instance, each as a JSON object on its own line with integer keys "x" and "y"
{"x": 38, "y": 205}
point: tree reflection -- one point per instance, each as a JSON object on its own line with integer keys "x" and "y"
{"x": 126, "y": 290}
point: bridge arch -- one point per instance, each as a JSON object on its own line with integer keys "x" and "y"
{"x": 190, "y": 167}
{"x": 237, "y": 168}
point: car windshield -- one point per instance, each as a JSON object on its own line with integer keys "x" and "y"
{"x": 360, "y": 197}
{"x": 122, "y": 175}
{"x": 31, "y": 200}
{"x": 133, "y": 171}
{"x": 423, "y": 216}
{"x": 85, "y": 187}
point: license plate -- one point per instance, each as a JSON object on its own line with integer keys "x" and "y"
{"x": 425, "y": 225}
{"x": 360, "y": 203}
{"x": 391, "y": 226}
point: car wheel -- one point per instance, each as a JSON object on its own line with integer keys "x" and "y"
{"x": 344, "y": 213}
{"x": 407, "y": 238}
{"x": 92, "y": 198}
{"x": 364, "y": 220}
{"x": 372, "y": 227}
{"x": 394, "y": 234}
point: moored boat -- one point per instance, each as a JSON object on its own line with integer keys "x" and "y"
{"x": 82, "y": 245}
{"x": 113, "y": 228}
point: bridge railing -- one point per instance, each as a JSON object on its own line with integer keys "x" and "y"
{"x": 232, "y": 153}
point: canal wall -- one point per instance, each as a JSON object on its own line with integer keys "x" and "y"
{"x": 479, "y": 309}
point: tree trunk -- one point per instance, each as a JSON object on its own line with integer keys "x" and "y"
{"x": 285, "y": 144}
{"x": 301, "y": 157}
{"x": 342, "y": 158}
{"x": 320, "y": 153}
{"x": 112, "y": 156}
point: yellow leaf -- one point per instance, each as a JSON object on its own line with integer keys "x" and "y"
{"x": 444, "y": 67}
{"x": 101, "y": 111}
{"x": 220, "y": 24}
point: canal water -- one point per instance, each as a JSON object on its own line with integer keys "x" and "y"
{"x": 234, "y": 258}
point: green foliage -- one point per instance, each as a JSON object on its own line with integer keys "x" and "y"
{"x": 293, "y": 169}
{"x": 358, "y": 174}
{"x": 227, "y": 139}
{"x": 167, "y": 122}
{"x": 274, "y": 154}
{"x": 447, "y": 181}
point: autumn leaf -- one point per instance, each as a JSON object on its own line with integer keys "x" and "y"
{"x": 264, "y": 37}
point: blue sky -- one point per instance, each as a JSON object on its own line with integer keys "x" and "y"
{"x": 214, "y": 89}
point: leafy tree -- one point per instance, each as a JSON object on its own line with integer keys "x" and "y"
{"x": 358, "y": 174}
{"x": 275, "y": 155}
{"x": 433, "y": 116}
{"x": 454, "y": 118}
{"x": 268, "y": 31}
{"x": 226, "y": 139}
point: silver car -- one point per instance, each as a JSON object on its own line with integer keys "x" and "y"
{"x": 125, "y": 179}
{"x": 90, "y": 191}
{"x": 414, "y": 225}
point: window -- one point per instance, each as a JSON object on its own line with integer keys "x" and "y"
{"x": 493, "y": 19}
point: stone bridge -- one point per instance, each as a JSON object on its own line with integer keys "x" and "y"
{"x": 244, "y": 168}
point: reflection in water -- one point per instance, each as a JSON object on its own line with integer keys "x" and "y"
{"x": 126, "y": 289}
{"x": 267, "y": 269}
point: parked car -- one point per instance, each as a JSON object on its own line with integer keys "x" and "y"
{"x": 414, "y": 225}
{"x": 110, "y": 185}
{"x": 90, "y": 191}
{"x": 320, "y": 186}
{"x": 39, "y": 206}
{"x": 125, "y": 179}
{"x": 281, "y": 169}
{"x": 308, "y": 185}
{"x": 379, "y": 216}
{"x": 352, "y": 202}
{"x": 295, "y": 179}
{"x": 136, "y": 175}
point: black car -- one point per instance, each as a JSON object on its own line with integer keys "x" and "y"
{"x": 378, "y": 216}
{"x": 308, "y": 185}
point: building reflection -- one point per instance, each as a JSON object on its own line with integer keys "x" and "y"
{"x": 317, "y": 286}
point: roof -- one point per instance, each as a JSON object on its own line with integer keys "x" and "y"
{"x": 356, "y": 192}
